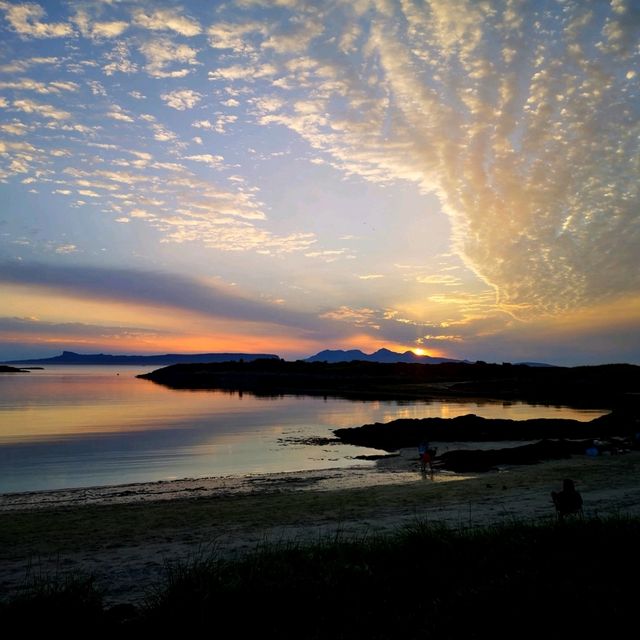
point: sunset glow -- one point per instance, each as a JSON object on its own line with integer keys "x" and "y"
{"x": 452, "y": 177}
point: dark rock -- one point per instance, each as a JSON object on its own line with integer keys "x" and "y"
{"x": 404, "y": 433}
{"x": 485, "y": 460}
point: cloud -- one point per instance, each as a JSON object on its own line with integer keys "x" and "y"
{"x": 25, "y": 147}
{"x": 606, "y": 333}
{"x": 60, "y": 85}
{"x": 243, "y": 72}
{"x": 15, "y": 128}
{"x": 296, "y": 36}
{"x": 26, "y": 20}
{"x": 219, "y": 126}
{"x": 141, "y": 213}
{"x": 27, "y": 84}
{"x": 46, "y": 110}
{"x": 96, "y": 29}
{"x": 530, "y": 143}
{"x": 109, "y": 29}
{"x": 167, "y": 20}
{"x": 182, "y": 99}
{"x": 20, "y": 66}
{"x": 327, "y": 255}
{"x": 226, "y": 227}
{"x": 37, "y": 328}
{"x": 119, "y": 60}
{"x": 222, "y": 122}
{"x": 447, "y": 280}
{"x": 158, "y": 289}
{"x": 182, "y": 207}
{"x": 162, "y": 134}
{"x": 162, "y": 52}
{"x": 203, "y": 124}
{"x": 118, "y": 113}
{"x": 206, "y": 158}
{"x": 235, "y": 36}
{"x": 66, "y": 248}
{"x": 141, "y": 155}
{"x": 97, "y": 88}
{"x": 359, "y": 317}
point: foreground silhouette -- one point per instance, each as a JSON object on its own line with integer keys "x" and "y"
{"x": 567, "y": 502}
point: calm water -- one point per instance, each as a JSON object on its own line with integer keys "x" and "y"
{"x": 89, "y": 426}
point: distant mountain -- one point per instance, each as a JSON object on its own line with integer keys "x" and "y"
{"x": 69, "y": 357}
{"x": 382, "y": 355}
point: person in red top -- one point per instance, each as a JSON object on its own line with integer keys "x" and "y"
{"x": 427, "y": 455}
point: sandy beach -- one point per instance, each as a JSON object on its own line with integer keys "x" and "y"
{"x": 125, "y": 535}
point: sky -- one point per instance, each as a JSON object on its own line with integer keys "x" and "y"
{"x": 456, "y": 177}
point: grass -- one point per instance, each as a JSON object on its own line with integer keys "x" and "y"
{"x": 57, "y": 601}
{"x": 425, "y": 581}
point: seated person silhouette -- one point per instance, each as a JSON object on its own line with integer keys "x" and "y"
{"x": 568, "y": 501}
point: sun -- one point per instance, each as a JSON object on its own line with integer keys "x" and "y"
{"x": 419, "y": 352}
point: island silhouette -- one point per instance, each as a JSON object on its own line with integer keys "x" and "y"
{"x": 70, "y": 357}
{"x": 595, "y": 387}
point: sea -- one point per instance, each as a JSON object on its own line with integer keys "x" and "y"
{"x": 88, "y": 426}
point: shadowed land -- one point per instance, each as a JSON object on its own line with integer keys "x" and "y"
{"x": 402, "y": 433}
{"x": 598, "y": 387}
{"x": 424, "y": 581}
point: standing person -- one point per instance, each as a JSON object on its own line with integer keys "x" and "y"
{"x": 426, "y": 454}
{"x": 568, "y": 501}
{"x": 423, "y": 453}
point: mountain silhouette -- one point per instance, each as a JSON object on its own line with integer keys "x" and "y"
{"x": 382, "y": 355}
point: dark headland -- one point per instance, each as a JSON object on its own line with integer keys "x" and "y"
{"x": 596, "y": 387}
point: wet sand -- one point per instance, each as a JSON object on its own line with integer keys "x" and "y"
{"x": 126, "y": 535}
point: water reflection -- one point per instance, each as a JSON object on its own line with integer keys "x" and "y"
{"x": 86, "y": 426}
